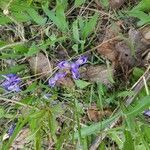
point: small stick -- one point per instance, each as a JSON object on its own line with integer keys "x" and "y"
{"x": 128, "y": 100}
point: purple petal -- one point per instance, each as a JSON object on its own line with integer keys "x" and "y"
{"x": 74, "y": 71}
{"x": 147, "y": 113}
{"x": 75, "y": 74}
{"x": 74, "y": 66}
{"x": 63, "y": 64}
{"x": 82, "y": 60}
{"x": 52, "y": 82}
{"x": 59, "y": 75}
{"x": 11, "y": 129}
{"x": 11, "y": 82}
{"x": 14, "y": 88}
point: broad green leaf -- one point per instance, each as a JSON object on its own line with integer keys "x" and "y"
{"x": 21, "y": 16}
{"x": 125, "y": 93}
{"x": 139, "y": 107}
{"x": 2, "y": 112}
{"x": 9, "y": 55}
{"x": 35, "y": 16}
{"x": 4, "y": 20}
{"x": 75, "y": 48}
{"x": 137, "y": 72}
{"x": 105, "y": 3}
{"x": 32, "y": 50}
{"x": 89, "y": 26}
{"x": 144, "y": 18}
{"x": 95, "y": 128}
{"x": 79, "y": 2}
{"x": 38, "y": 114}
{"x": 60, "y": 14}
{"x": 75, "y": 31}
{"x": 129, "y": 142}
{"x": 81, "y": 84}
{"x": 144, "y": 5}
{"x": 58, "y": 17}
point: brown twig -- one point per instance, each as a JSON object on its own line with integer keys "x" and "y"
{"x": 136, "y": 88}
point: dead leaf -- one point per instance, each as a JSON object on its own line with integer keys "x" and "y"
{"x": 40, "y": 64}
{"x": 98, "y": 74}
{"x": 107, "y": 48}
{"x": 116, "y": 4}
{"x": 146, "y": 32}
{"x": 21, "y": 139}
{"x": 124, "y": 53}
{"x": 94, "y": 114}
{"x": 66, "y": 82}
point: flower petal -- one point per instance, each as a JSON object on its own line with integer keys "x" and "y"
{"x": 82, "y": 60}
{"x": 11, "y": 82}
{"x": 63, "y": 65}
{"x": 52, "y": 82}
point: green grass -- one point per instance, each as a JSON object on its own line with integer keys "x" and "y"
{"x": 61, "y": 121}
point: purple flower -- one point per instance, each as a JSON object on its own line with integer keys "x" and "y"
{"x": 75, "y": 71}
{"x": 11, "y": 129}
{"x": 147, "y": 113}
{"x": 74, "y": 68}
{"x": 11, "y": 82}
{"x": 52, "y": 81}
{"x": 82, "y": 60}
{"x": 63, "y": 65}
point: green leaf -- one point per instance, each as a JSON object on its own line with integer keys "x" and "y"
{"x": 75, "y": 48}
{"x": 79, "y": 2}
{"x": 144, "y": 18}
{"x": 58, "y": 17}
{"x": 35, "y": 16}
{"x": 137, "y": 72}
{"x": 32, "y": 50}
{"x": 14, "y": 69}
{"x": 144, "y": 5}
{"x": 2, "y": 113}
{"x": 75, "y": 31}
{"x": 129, "y": 142}
{"x": 21, "y": 16}
{"x": 81, "y": 84}
{"x": 60, "y": 14}
{"x": 105, "y": 3}
{"x": 4, "y": 20}
{"x": 125, "y": 93}
{"x": 115, "y": 136}
{"x": 139, "y": 107}
{"x": 95, "y": 128}
{"x": 89, "y": 26}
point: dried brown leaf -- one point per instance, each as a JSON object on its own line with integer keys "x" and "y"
{"x": 146, "y": 32}
{"x": 116, "y": 4}
{"x": 107, "y": 48}
{"x": 98, "y": 74}
{"x": 66, "y": 82}
{"x": 21, "y": 140}
{"x": 40, "y": 64}
{"x": 94, "y": 114}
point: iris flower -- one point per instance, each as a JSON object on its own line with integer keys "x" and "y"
{"x": 52, "y": 81}
{"x": 11, "y": 82}
{"x": 73, "y": 66}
